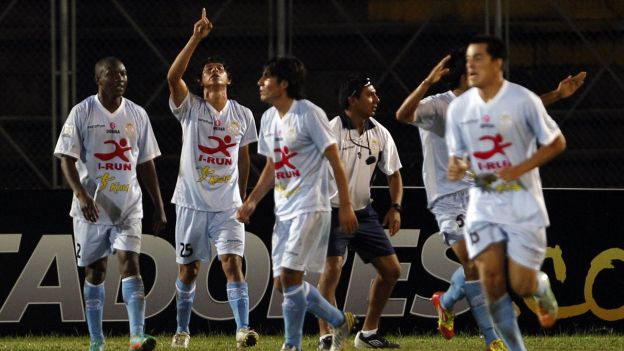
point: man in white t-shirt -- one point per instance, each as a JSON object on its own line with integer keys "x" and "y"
{"x": 107, "y": 140}
{"x": 364, "y": 145}
{"x": 448, "y": 199}
{"x": 300, "y": 149}
{"x": 493, "y": 129}
{"x": 214, "y": 167}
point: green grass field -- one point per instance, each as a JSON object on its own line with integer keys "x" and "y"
{"x": 587, "y": 342}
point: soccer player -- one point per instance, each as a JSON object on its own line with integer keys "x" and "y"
{"x": 214, "y": 167}
{"x": 106, "y": 141}
{"x": 494, "y": 130}
{"x": 299, "y": 146}
{"x": 364, "y": 145}
{"x": 448, "y": 199}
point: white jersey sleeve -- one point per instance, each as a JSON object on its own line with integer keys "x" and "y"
{"x": 251, "y": 134}
{"x": 69, "y": 142}
{"x": 431, "y": 111}
{"x": 389, "y": 156}
{"x": 265, "y": 142}
{"x": 540, "y": 122}
{"x": 183, "y": 111}
{"x": 148, "y": 147}
{"x": 454, "y": 139}
{"x": 318, "y": 126}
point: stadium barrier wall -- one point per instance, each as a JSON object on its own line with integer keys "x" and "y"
{"x": 41, "y": 289}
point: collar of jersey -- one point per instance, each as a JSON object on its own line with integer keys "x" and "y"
{"x": 346, "y": 122}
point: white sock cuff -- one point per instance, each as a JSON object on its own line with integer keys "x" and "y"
{"x": 93, "y": 285}
{"x": 132, "y": 277}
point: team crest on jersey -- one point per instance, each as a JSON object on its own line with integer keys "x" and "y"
{"x": 290, "y": 134}
{"x": 130, "y": 131}
{"x": 374, "y": 145}
{"x": 234, "y": 127}
{"x": 504, "y": 123}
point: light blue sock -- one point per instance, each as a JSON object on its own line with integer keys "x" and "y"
{"x": 134, "y": 297}
{"x": 94, "y": 309}
{"x": 185, "y": 294}
{"x": 456, "y": 291}
{"x": 506, "y": 323}
{"x": 479, "y": 310}
{"x": 238, "y": 296}
{"x": 321, "y": 308}
{"x": 294, "y": 309}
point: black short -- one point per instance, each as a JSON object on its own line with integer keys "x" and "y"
{"x": 369, "y": 240}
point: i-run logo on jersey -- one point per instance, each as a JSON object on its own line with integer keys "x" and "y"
{"x": 210, "y": 153}
{"x": 119, "y": 152}
{"x": 498, "y": 147}
{"x": 289, "y": 169}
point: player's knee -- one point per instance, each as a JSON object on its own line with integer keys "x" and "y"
{"x": 188, "y": 272}
{"x": 470, "y": 270}
{"x": 523, "y": 286}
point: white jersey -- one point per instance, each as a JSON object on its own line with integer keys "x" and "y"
{"x": 497, "y": 134}
{"x": 353, "y": 154}
{"x": 430, "y": 118}
{"x": 208, "y": 176}
{"x": 297, "y": 143}
{"x": 108, "y": 147}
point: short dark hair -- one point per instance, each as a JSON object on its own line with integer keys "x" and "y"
{"x": 290, "y": 69}
{"x": 352, "y": 86}
{"x": 214, "y": 59}
{"x": 457, "y": 67}
{"x": 104, "y": 62}
{"x": 494, "y": 46}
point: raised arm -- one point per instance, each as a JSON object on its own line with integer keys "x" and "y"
{"x": 87, "y": 204}
{"x": 265, "y": 183}
{"x": 147, "y": 172}
{"x": 565, "y": 89}
{"x": 406, "y": 113}
{"x": 348, "y": 221}
{"x": 177, "y": 87}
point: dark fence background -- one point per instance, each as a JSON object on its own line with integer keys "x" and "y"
{"x": 47, "y": 66}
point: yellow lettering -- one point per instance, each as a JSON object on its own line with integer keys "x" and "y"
{"x": 204, "y": 173}
{"x": 104, "y": 179}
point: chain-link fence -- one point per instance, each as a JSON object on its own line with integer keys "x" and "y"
{"x": 49, "y": 49}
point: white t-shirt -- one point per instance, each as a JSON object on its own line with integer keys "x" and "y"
{"x": 208, "y": 176}
{"x": 354, "y": 155}
{"x": 108, "y": 146}
{"x": 502, "y": 132}
{"x": 296, "y": 143}
{"x": 430, "y": 118}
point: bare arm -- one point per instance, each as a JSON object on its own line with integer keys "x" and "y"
{"x": 244, "y": 162}
{"x": 565, "y": 89}
{"x": 177, "y": 87}
{"x": 406, "y": 113}
{"x": 544, "y": 154}
{"x": 393, "y": 216}
{"x": 87, "y": 204}
{"x": 265, "y": 183}
{"x": 348, "y": 222}
{"x": 147, "y": 172}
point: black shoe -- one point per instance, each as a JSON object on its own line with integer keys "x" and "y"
{"x": 325, "y": 343}
{"x": 375, "y": 341}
